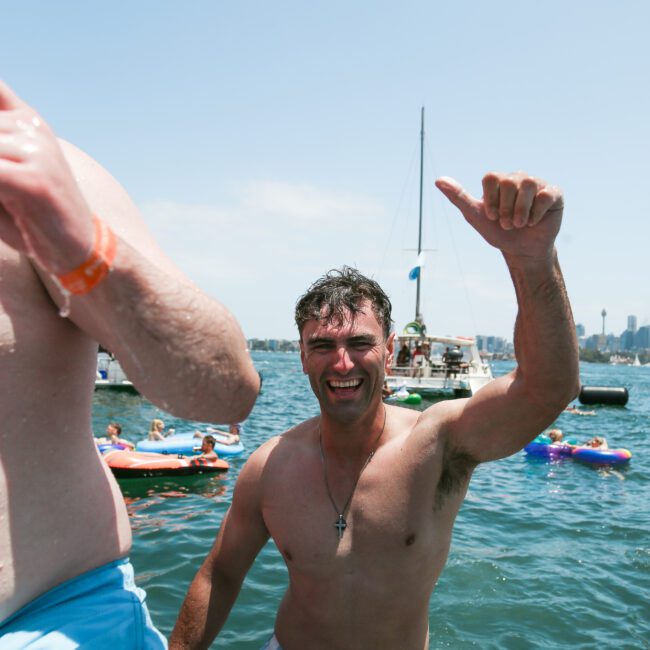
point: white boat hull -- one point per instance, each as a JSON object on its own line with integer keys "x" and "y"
{"x": 465, "y": 384}
{"x": 436, "y": 376}
{"x": 111, "y": 375}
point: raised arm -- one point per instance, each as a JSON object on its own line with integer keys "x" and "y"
{"x": 520, "y": 215}
{"x": 181, "y": 349}
{"x": 217, "y": 583}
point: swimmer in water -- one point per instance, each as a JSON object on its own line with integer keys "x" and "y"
{"x": 574, "y": 410}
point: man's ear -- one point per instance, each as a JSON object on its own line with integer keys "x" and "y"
{"x": 390, "y": 351}
{"x": 302, "y": 357}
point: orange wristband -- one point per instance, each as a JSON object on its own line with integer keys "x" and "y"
{"x": 89, "y": 274}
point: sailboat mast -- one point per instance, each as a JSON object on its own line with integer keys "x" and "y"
{"x": 417, "y": 296}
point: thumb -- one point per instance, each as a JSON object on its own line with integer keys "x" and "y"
{"x": 454, "y": 191}
{"x": 8, "y": 99}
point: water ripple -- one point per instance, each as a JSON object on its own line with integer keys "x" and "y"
{"x": 544, "y": 554}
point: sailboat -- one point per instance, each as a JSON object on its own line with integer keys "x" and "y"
{"x": 434, "y": 364}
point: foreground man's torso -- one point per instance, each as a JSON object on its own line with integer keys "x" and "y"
{"x": 61, "y": 512}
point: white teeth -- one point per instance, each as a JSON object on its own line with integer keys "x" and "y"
{"x": 351, "y": 383}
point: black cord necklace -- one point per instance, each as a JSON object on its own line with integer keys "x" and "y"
{"x": 341, "y": 524}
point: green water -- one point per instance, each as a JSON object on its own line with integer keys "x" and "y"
{"x": 544, "y": 555}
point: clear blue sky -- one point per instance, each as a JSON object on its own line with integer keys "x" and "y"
{"x": 266, "y": 143}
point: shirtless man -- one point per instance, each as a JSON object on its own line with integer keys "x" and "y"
{"x": 112, "y": 437}
{"x": 207, "y": 449}
{"x": 361, "y": 500}
{"x": 61, "y": 512}
{"x": 230, "y": 437}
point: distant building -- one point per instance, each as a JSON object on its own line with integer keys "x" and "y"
{"x": 612, "y": 343}
{"x": 627, "y": 339}
{"x": 580, "y": 330}
{"x": 631, "y": 323}
{"x": 273, "y": 345}
{"x": 607, "y": 343}
{"x": 491, "y": 344}
{"x": 642, "y": 338}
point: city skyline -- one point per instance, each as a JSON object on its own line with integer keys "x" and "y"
{"x": 493, "y": 342}
{"x": 630, "y": 322}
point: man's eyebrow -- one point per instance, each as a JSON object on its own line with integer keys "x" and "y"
{"x": 317, "y": 340}
{"x": 358, "y": 338}
{"x": 363, "y": 338}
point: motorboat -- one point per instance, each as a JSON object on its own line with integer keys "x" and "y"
{"x": 110, "y": 374}
{"x": 447, "y": 364}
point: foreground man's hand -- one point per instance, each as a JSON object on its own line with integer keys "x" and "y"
{"x": 42, "y": 210}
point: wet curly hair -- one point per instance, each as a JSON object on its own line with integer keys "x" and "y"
{"x": 342, "y": 291}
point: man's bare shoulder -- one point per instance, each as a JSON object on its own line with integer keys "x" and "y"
{"x": 284, "y": 446}
{"x": 436, "y": 420}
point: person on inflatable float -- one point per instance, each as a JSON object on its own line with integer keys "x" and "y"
{"x": 207, "y": 449}
{"x": 597, "y": 442}
{"x": 557, "y": 437}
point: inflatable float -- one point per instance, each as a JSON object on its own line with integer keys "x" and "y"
{"x": 186, "y": 443}
{"x": 542, "y": 447}
{"x": 411, "y": 398}
{"x": 601, "y": 456}
{"x": 134, "y": 464}
{"x": 404, "y": 397}
{"x": 548, "y": 449}
{"x": 109, "y": 446}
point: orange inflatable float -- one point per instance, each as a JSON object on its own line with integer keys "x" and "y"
{"x": 137, "y": 464}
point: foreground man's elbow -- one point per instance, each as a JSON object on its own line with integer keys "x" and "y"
{"x": 563, "y": 393}
{"x": 221, "y": 398}
{"x": 245, "y": 395}
{"x": 572, "y": 381}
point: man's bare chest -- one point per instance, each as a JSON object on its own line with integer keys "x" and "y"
{"x": 390, "y": 519}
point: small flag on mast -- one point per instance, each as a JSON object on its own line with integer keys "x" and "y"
{"x": 414, "y": 273}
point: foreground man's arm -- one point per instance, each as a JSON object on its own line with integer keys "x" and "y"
{"x": 520, "y": 216}
{"x": 183, "y": 350}
{"x": 217, "y": 583}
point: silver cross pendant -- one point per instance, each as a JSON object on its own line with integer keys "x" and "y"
{"x": 340, "y": 525}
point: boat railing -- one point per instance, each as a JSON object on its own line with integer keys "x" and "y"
{"x": 430, "y": 369}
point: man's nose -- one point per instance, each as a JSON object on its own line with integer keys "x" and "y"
{"x": 343, "y": 363}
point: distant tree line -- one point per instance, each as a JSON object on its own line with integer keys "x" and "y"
{"x": 595, "y": 356}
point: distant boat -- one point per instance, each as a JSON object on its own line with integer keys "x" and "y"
{"x": 110, "y": 374}
{"x": 636, "y": 361}
{"x": 450, "y": 363}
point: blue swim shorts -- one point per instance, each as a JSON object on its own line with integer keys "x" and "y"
{"x": 99, "y": 610}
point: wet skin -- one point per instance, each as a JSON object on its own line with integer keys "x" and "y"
{"x": 370, "y": 588}
{"x": 346, "y": 364}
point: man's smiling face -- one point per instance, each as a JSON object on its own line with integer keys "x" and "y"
{"x": 346, "y": 362}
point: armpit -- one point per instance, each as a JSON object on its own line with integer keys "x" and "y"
{"x": 457, "y": 468}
